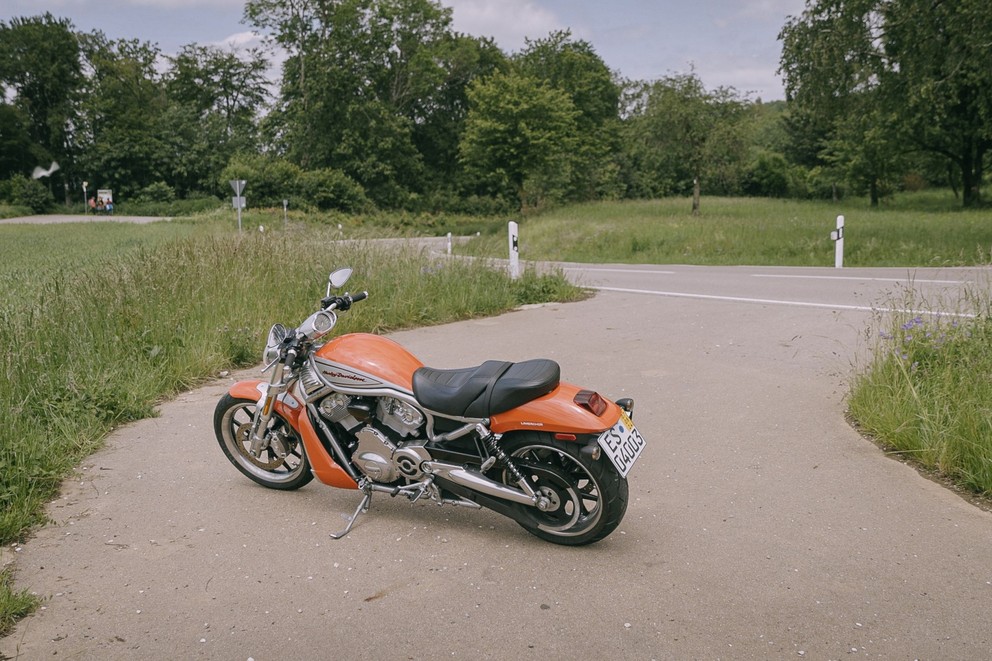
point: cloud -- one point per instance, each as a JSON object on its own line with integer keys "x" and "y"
{"x": 508, "y": 22}
{"x": 239, "y": 40}
{"x": 185, "y": 4}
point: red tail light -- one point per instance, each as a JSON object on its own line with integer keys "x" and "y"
{"x": 591, "y": 401}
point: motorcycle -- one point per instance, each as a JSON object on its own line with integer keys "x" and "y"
{"x": 361, "y": 412}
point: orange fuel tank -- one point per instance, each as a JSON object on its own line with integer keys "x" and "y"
{"x": 362, "y": 360}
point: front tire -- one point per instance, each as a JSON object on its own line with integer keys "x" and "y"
{"x": 589, "y": 498}
{"x": 232, "y": 426}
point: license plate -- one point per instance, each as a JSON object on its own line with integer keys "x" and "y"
{"x": 622, "y": 443}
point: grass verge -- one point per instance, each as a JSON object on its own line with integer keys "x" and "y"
{"x": 755, "y": 231}
{"x": 926, "y": 393}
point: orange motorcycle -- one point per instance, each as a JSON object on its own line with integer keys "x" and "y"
{"x": 361, "y": 412}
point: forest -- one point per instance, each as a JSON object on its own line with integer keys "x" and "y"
{"x": 380, "y": 104}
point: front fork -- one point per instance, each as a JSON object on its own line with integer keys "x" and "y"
{"x": 260, "y": 438}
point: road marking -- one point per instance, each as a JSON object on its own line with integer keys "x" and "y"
{"x": 580, "y": 268}
{"x": 772, "y": 301}
{"x": 844, "y": 277}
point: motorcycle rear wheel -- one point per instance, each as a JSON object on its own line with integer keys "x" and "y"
{"x": 589, "y": 498}
{"x": 232, "y": 426}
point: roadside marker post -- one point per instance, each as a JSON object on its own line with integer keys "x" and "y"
{"x": 838, "y": 238}
{"x": 239, "y": 202}
{"x": 514, "y": 251}
{"x": 449, "y": 243}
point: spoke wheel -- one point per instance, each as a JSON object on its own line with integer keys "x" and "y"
{"x": 232, "y": 426}
{"x": 585, "y": 500}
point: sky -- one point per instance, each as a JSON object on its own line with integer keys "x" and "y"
{"x": 727, "y": 43}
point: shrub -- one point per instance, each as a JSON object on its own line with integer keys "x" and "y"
{"x": 30, "y": 193}
{"x": 271, "y": 180}
{"x": 157, "y": 192}
{"x": 329, "y": 189}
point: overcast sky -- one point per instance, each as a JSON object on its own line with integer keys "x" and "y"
{"x": 727, "y": 42}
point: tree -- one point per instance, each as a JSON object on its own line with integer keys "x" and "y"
{"x": 40, "y": 67}
{"x": 918, "y": 68}
{"x": 215, "y": 100}
{"x": 520, "y": 134}
{"x": 367, "y": 84}
{"x": 574, "y": 68}
{"x": 19, "y": 154}
{"x": 680, "y": 134}
{"x": 124, "y": 132}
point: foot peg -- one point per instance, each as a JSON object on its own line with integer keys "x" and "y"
{"x": 363, "y": 507}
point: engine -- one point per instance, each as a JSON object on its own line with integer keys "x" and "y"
{"x": 381, "y": 427}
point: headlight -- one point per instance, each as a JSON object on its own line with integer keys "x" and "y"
{"x": 277, "y": 334}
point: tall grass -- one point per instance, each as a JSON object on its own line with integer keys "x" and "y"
{"x": 926, "y": 392}
{"x": 754, "y": 231}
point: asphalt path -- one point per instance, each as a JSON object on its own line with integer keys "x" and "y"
{"x": 55, "y": 219}
{"x": 760, "y": 525}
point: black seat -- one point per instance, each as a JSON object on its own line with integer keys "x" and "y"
{"x": 480, "y": 392}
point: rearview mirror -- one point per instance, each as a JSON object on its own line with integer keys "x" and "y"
{"x": 337, "y": 279}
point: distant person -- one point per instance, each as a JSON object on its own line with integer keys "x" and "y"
{"x": 99, "y": 204}
{"x": 92, "y": 204}
{"x": 109, "y": 206}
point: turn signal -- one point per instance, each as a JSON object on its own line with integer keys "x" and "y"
{"x": 591, "y": 401}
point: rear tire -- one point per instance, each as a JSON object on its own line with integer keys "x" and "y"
{"x": 232, "y": 426}
{"x": 589, "y": 498}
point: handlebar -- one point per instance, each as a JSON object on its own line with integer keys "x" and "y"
{"x": 342, "y": 303}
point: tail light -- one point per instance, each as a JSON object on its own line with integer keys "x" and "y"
{"x": 590, "y": 401}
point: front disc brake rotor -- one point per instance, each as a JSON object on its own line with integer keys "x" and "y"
{"x": 243, "y": 435}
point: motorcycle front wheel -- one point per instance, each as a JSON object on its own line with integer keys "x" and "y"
{"x": 232, "y": 425}
{"x": 588, "y": 498}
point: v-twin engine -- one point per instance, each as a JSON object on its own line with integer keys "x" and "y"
{"x": 376, "y": 454}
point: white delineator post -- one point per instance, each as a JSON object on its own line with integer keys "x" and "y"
{"x": 838, "y": 237}
{"x": 449, "y": 243}
{"x": 514, "y": 251}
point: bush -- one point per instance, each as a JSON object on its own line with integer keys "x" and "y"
{"x": 30, "y": 193}
{"x": 329, "y": 189}
{"x": 767, "y": 176}
{"x": 271, "y": 180}
{"x": 157, "y": 192}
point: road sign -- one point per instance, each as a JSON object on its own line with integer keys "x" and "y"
{"x": 238, "y": 185}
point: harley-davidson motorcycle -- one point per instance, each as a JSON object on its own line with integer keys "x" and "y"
{"x": 361, "y": 412}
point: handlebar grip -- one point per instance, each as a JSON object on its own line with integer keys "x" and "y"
{"x": 360, "y": 296}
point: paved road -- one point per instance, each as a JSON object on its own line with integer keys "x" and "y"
{"x": 53, "y": 219}
{"x": 760, "y": 524}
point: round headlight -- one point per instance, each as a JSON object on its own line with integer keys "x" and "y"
{"x": 277, "y": 334}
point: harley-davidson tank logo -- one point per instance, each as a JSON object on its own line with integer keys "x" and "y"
{"x": 339, "y": 375}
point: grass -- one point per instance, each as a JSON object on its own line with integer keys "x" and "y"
{"x": 101, "y": 322}
{"x": 926, "y": 393}
{"x": 755, "y": 231}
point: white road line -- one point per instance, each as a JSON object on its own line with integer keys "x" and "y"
{"x": 771, "y": 301}
{"x": 635, "y": 271}
{"x": 843, "y": 277}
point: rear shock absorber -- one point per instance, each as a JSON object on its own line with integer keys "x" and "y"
{"x": 504, "y": 461}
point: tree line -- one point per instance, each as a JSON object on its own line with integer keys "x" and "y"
{"x": 381, "y": 104}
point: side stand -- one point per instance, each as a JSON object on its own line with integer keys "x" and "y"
{"x": 363, "y": 507}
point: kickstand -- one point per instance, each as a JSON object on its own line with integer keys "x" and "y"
{"x": 362, "y": 508}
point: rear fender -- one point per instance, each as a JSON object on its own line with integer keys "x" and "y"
{"x": 556, "y": 412}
